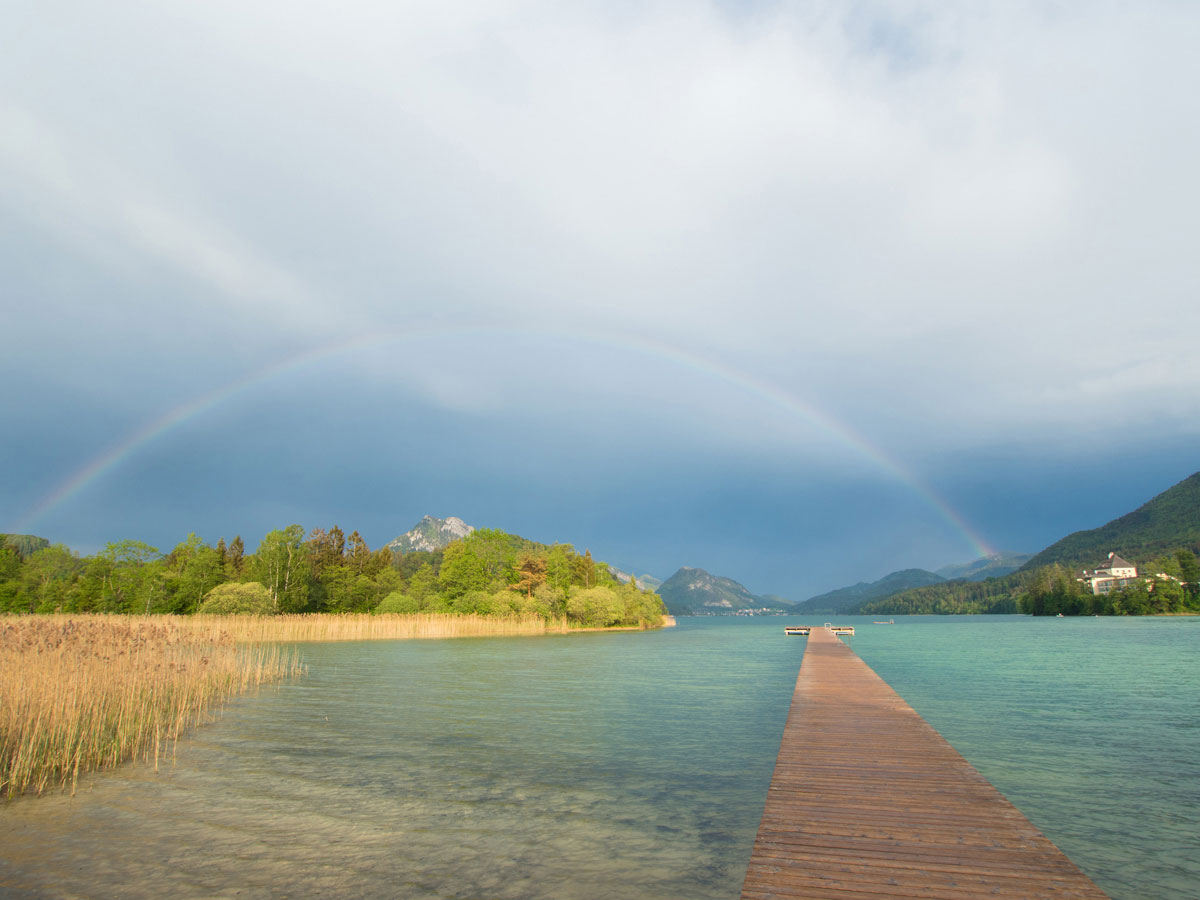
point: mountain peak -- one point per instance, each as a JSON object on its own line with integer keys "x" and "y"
{"x": 431, "y": 533}
{"x": 693, "y": 591}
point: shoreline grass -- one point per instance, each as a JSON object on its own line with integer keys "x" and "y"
{"x": 367, "y": 627}
{"x": 381, "y": 627}
{"x": 82, "y": 693}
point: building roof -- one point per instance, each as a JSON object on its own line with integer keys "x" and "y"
{"x": 1115, "y": 562}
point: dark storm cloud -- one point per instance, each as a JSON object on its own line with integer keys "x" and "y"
{"x": 942, "y": 230}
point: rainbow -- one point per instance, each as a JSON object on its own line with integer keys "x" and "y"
{"x": 788, "y": 403}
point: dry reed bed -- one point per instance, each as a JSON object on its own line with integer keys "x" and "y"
{"x": 79, "y": 693}
{"x": 319, "y": 627}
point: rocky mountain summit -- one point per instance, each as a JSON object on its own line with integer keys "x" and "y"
{"x": 431, "y": 534}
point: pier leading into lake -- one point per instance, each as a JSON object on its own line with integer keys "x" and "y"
{"x": 868, "y": 801}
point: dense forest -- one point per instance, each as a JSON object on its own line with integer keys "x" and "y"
{"x": 1170, "y": 584}
{"x": 993, "y": 595}
{"x": 487, "y": 573}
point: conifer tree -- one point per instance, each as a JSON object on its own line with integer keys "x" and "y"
{"x": 237, "y": 551}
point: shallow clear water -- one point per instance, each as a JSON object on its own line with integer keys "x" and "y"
{"x": 1091, "y": 726}
{"x": 618, "y": 765}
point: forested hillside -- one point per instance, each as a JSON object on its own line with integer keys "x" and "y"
{"x": 994, "y": 595}
{"x": 489, "y": 573}
{"x": 1160, "y": 538}
{"x": 1169, "y": 521}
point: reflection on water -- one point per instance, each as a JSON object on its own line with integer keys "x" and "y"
{"x": 619, "y": 766}
{"x": 623, "y": 765}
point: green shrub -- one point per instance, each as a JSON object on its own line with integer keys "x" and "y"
{"x": 396, "y": 602}
{"x": 237, "y": 599}
{"x": 595, "y": 607}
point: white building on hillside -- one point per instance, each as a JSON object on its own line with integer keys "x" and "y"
{"x": 1115, "y": 573}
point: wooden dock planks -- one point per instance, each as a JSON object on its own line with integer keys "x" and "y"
{"x": 868, "y": 801}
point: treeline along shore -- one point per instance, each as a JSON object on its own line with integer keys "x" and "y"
{"x": 1170, "y": 586}
{"x": 488, "y": 573}
{"x": 114, "y": 656}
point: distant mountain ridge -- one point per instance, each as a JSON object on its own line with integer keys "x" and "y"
{"x": 643, "y": 581}
{"x": 431, "y": 534}
{"x": 844, "y": 599}
{"x": 992, "y": 566}
{"x": 696, "y": 592}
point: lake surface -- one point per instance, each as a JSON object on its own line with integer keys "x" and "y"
{"x": 631, "y": 765}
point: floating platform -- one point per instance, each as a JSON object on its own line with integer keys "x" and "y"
{"x": 868, "y": 801}
{"x": 803, "y": 630}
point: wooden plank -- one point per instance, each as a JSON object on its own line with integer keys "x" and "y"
{"x": 869, "y": 802}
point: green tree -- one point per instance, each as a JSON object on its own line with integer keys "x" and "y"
{"x": 46, "y": 576}
{"x": 479, "y": 603}
{"x": 596, "y": 607}
{"x": 1189, "y": 572}
{"x": 584, "y": 569}
{"x": 424, "y": 584}
{"x": 282, "y": 566}
{"x": 237, "y": 553}
{"x": 360, "y": 553}
{"x": 133, "y": 583}
{"x": 1053, "y": 590}
{"x": 387, "y": 580}
{"x": 321, "y": 555}
{"x": 463, "y": 570}
{"x": 559, "y": 567}
{"x": 337, "y": 539}
{"x": 193, "y": 569}
{"x": 641, "y": 607}
{"x": 10, "y": 580}
{"x": 347, "y": 592}
{"x": 1167, "y": 596}
{"x": 546, "y": 602}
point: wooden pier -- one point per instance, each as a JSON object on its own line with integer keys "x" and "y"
{"x": 803, "y": 630}
{"x": 868, "y": 801}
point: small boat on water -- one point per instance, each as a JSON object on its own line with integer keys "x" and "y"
{"x": 888, "y": 622}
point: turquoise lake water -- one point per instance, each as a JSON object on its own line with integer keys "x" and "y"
{"x": 628, "y": 765}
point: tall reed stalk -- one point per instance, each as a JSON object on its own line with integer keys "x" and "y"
{"x": 79, "y": 693}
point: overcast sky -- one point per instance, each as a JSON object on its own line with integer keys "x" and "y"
{"x": 799, "y": 293}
